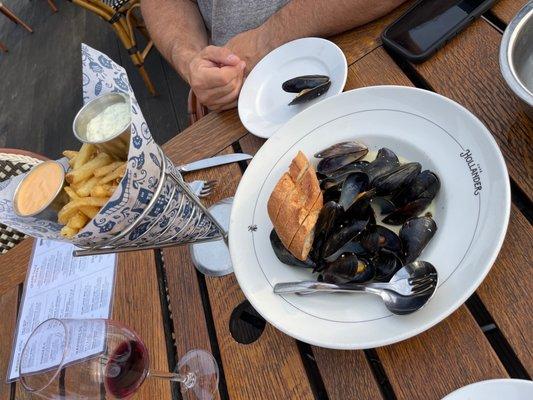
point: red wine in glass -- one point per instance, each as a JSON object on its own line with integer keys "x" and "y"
{"x": 119, "y": 370}
{"x": 126, "y": 369}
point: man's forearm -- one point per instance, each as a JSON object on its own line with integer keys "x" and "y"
{"x": 177, "y": 29}
{"x": 303, "y": 18}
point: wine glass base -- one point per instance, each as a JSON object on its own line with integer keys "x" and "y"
{"x": 201, "y": 369}
{"x": 213, "y": 258}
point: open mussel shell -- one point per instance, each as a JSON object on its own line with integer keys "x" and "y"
{"x": 415, "y": 234}
{"x": 340, "y": 149}
{"x": 299, "y": 83}
{"x": 386, "y": 160}
{"x": 414, "y": 198}
{"x": 348, "y": 268}
{"x": 336, "y": 165}
{"x": 400, "y": 176}
{"x": 310, "y": 94}
{"x": 377, "y": 237}
{"x": 386, "y": 264}
{"x": 327, "y": 219}
{"x": 285, "y": 255}
{"x": 343, "y": 234}
{"x": 353, "y": 188}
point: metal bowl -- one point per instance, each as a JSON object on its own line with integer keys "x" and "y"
{"x": 116, "y": 144}
{"x": 516, "y": 56}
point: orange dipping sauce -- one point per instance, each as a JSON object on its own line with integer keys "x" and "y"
{"x": 39, "y": 188}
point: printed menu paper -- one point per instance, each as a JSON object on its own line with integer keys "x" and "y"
{"x": 60, "y": 286}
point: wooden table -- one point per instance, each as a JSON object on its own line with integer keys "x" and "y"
{"x": 161, "y": 296}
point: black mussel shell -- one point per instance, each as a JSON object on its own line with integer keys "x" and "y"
{"x": 331, "y": 164}
{"x": 360, "y": 210}
{"x": 343, "y": 148}
{"x": 348, "y": 268}
{"x": 393, "y": 180}
{"x": 328, "y": 217}
{"x": 412, "y": 199}
{"x": 386, "y": 264}
{"x": 425, "y": 185}
{"x": 353, "y": 188}
{"x": 310, "y": 94}
{"x": 385, "y": 205}
{"x": 356, "y": 166}
{"x": 341, "y": 235}
{"x": 332, "y": 194}
{"x": 299, "y": 83}
{"x": 377, "y": 237}
{"x": 351, "y": 247}
{"x": 415, "y": 234}
{"x": 284, "y": 255}
{"x": 410, "y": 210}
{"x": 386, "y": 160}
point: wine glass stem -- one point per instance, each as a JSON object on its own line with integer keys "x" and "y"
{"x": 187, "y": 380}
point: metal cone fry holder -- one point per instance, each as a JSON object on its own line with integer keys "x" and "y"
{"x": 192, "y": 232}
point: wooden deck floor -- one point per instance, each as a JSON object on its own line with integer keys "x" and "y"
{"x": 40, "y": 78}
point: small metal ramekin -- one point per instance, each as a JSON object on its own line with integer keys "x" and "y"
{"x": 516, "y": 56}
{"x": 49, "y": 210}
{"x": 118, "y": 143}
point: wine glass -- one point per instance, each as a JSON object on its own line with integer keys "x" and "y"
{"x": 56, "y": 362}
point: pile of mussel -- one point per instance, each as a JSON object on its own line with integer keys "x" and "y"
{"x": 349, "y": 245}
{"x": 308, "y": 87}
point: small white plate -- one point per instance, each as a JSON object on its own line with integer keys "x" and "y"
{"x": 263, "y": 105}
{"x": 471, "y": 212}
{"x": 495, "y": 389}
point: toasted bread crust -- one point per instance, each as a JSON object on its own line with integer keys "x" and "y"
{"x": 294, "y": 205}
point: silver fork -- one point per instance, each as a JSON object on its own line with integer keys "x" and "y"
{"x": 203, "y": 188}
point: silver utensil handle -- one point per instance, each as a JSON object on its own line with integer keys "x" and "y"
{"x": 308, "y": 287}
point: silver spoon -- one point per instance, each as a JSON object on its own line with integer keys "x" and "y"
{"x": 408, "y": 290}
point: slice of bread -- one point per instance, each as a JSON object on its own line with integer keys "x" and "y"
{"x": 303, "y": 240}
{"x": 295, "y": 196}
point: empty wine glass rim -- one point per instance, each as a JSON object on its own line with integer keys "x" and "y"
{"x": 59, "y": 366}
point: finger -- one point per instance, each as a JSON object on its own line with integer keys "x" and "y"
{"x": 210, "y": 96}
{"x": 221, "y": 55}
{"x": 216, "y": 77}
{"x": 224, "y": 102}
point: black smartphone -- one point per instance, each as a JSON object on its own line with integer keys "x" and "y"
{"x": 429, "y": 24}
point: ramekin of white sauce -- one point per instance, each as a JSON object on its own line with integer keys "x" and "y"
{"x": 105, "y": 121}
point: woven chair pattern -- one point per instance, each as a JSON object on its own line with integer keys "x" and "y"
{"x": 12, "y": 165}
{"x": 115, "y": 4}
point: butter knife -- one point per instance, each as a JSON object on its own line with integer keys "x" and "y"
{"x": 213, "y": 162}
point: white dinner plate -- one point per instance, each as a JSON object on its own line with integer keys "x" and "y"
{"x": 471, "y": 212}
{"x": 495, "y": 389}
{"x": 263, "y": 105}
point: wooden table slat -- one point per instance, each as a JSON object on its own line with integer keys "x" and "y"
{"x": 269, "y": 368}
{"x": 468, "y": 72}
{"x": 507, "y": 292}
{"x": 450, "y": 355}
{"x": 8, "y": 309}
{"x": 14, "y": 265}
{"x": 362, "y": 40}
{"x": 507, "y": 9}
{"x": 137, "y": 304}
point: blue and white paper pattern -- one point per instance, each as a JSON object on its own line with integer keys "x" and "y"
{"x": 101, "y": 75}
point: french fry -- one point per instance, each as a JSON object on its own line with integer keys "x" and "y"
{"x": 103, "y": 190}
{"x": 85, "y": 188}
{"x": 70, "y": 154}
{"x": 71, "y": 193}
{"x": 116, "y": 174}
{"x": 90, "y": 212}
{"x": 70, "y": 209}
{"x": 78, "y": 221}
{"x": 84, "y": 155}
{"x": 68, "y": 232}
{"x": 86, "y": 170}
{"x": 103, "y": 171}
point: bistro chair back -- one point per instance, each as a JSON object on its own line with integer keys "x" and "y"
{"x": 125, "y": 20}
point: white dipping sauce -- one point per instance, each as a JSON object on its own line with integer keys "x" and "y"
{"x": 108, "y": 123}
